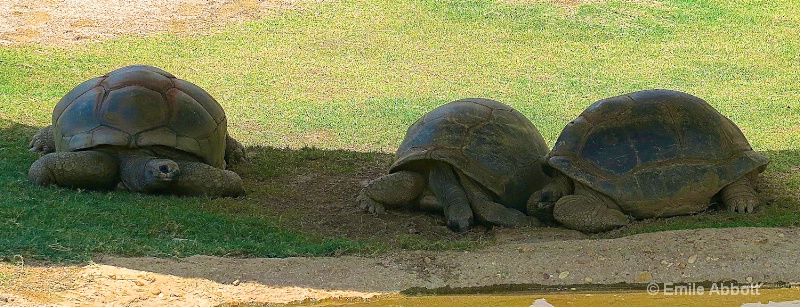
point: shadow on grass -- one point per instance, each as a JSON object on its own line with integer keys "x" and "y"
{"x": 300, "y": 202}
{"x": 11, "y": 132}
{"x": 313, "y": 190}
{"x": 307, "y": 181}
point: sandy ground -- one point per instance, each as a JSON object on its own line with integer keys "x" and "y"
{"x": 744, "y": 255}
{"x": 533, "y": 257}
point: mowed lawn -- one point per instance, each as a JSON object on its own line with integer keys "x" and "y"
{"x": 348, "y": 77}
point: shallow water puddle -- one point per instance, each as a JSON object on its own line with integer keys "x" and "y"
{"x": 779, "y": 297}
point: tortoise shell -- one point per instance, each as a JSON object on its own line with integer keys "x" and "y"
{"x": 138, "y": 106}
{"x": 655, "y": 152}
{"x": 488, "y": 141}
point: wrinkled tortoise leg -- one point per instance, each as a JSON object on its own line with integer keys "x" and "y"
{"x": 392, "y": 190}
{"x": 234, "y": 151}
{"x": 739, "y": 196}
{"x": 589, "y": 211}
{"x": 43, "y": 141}
{"x": 81, "y": 169}
{"x": 200, "y": 179}
{"x": 541, "y": 202}
{"x": 444, "y": 184}
{"x": 489, "y": 212}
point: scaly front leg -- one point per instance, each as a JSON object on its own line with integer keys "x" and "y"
{"x": 82, "y": 169}
{"x": 443, "y": 182}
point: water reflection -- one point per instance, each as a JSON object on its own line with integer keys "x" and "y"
{"x": 766, "y": 297}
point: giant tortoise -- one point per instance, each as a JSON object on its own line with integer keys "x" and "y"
{"x": 144, "y": 127}
{"x": 470, "y": 159}
{"x": 653, "y": 153}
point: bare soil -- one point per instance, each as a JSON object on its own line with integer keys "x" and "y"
{"x": 74, "y": 21}
{"x": 516, "y": 259}
{"x": 743, "y": 255}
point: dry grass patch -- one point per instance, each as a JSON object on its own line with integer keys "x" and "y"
{"x": 578, "y": 2}
{"x": 63, "y": 22}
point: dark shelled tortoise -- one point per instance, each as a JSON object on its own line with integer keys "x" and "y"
{"x": 470, "y": 159}
{"x": 653, "y": 153}
{"x": 141, "y": 126}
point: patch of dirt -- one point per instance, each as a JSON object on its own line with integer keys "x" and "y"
{"x": 313, "y": 191}
{"x": 318, "y": 198}
{"x": 62, "y": 22}
{"x": 574, "y": 3}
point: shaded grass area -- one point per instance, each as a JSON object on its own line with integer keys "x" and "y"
{"x": 52, "y": 224}
{"x": 322, "y": 94}
{"x": 299, "y": 203}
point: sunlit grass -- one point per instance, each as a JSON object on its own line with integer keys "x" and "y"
{"x": 352, "y": 75}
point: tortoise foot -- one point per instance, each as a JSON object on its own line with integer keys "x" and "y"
{"x": 739, "y": 196}
{"x": 392, "y": 191}
{"x": 234, "y": 151}
{"x": 367, "y": 204}
{"x": 742, "y": 205}
{"x": 459, "y": 223}
{"x": 200, "y": 179}
{"x": 496, "y": 214}
{"x": 585, "y": 214}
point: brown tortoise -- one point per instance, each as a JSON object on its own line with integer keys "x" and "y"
{"x": 653, "y": 153}
{"x": 472, "y": 159}
{"x": 141, "y": 126}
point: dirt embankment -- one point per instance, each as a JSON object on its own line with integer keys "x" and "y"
{"x": 548, "y": 257}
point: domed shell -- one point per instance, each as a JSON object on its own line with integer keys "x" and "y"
{"x": 655, "y": 147}
{"x": 488, "y": 141}
{"x": 138, "y": 106}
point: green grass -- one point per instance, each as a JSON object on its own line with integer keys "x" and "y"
{"x": 66, "y": 225}
{"x": 352, "y": 75}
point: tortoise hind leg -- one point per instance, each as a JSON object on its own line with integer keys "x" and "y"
{"x": 81, "y": 169}
{"x": 739, "y": 196}
{"x": 43, "y": 141}
{"x": 392, "y": 190}
{"x": 490, "y": 212}
{"x": 234, "y": 151}
{"x": 588, "y": 211}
